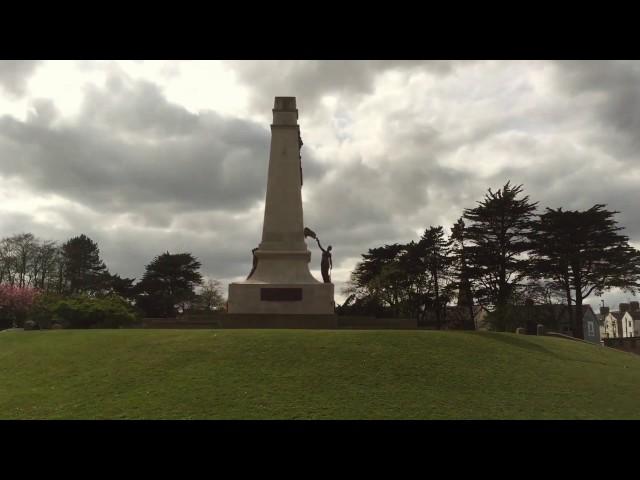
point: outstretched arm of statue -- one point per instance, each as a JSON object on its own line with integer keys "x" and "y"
{"x": 318, "y": 240}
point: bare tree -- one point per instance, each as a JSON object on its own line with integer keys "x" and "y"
{"x": 211, "y": 296}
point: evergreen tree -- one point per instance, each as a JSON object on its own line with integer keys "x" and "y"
{"x": 84, "y": 271}
{"x": 379, "y": 278}
{"x": 435, "y": 250}
{"x": 499, "y": 231}
{"x": 169, "y": 280}
{"x": 122, "y": 287}
{"x": 460, "y": 270}
{"x": 583, "y": 253}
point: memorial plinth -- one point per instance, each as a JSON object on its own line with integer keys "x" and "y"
{"x": 282, "y": 282}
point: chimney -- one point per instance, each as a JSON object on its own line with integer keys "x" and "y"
{"x": 624, "y": 307}
{"x": 634, "y": 306}
{"x": 604, "y": 311}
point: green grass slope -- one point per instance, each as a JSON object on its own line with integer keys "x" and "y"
{"x": 305, "y": 374}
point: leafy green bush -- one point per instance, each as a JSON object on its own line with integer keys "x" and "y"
{"x": 82, "y": 311}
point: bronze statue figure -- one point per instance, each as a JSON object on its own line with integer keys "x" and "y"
{"x": 300, "y": 154}
{"x": 255, "y": 262}
{"x": 326, "y": 264}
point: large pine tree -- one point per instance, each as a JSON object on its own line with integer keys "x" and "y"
{"x": 379, "y": 278}
{"x": 435, "y": 250}
{"x": 582, "y": 253}
{"x": 169, "y": 280}
{"x": 460, "y": 270}
{"x": 84, "y": 271}
{"x": 498, "y": 232}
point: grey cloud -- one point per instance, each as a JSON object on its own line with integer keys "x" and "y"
{"x": 128, "y": 252}
{"x": 132, "y": 151}
{"x": 43, "y": 112}
{"x": 564, "y": 175}
{"x": 14, "y": 75}
{"x": 136, "y": 106}
{"x": 614, "y": 87}
{"x": 366, "y": 206}
{"x": 14, "y": 222}
{"x": 309, "y": 80}
{"x": 223, "y": 246}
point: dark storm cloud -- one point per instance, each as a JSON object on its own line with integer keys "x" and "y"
{"x": 14, "y": 75}
{"x": 573, "y": 182}
{"x": 137, "y": 107}
{"x": 132, "y": 151}
{"x": 614, "y": 91}
{"x": 309, "y": 80}
{"x": 597, "y": 160}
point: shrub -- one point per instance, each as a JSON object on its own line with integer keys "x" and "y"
{"x": 15, "y": 304}
{"x": 82, "y": 311}
{"x": 31, "y": 325}
{"x": 505, "y": 319}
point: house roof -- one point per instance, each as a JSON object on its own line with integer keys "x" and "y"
{"x": 620, "y": 315}
{"x": 551, "y": 307}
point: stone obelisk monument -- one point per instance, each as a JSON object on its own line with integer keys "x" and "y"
{"x": 282, "y": 282}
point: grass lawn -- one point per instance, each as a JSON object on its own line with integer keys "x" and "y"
{"x": 307, "y": 374}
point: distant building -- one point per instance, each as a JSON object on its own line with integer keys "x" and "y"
{"x": 634, "y": 311}
{"x": 620, "y": 324}
{"x": 555, "y": 318}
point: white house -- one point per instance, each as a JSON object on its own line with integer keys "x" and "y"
{"x": 634, "y": 311}
{"x": 618, "y": 324}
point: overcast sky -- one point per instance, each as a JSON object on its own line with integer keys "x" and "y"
{"x": 150, "y": 156}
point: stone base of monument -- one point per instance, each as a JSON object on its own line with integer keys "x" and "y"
{"x": 281, "y": 298}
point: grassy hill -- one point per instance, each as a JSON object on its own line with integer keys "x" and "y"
{"x": 305, "y": 374}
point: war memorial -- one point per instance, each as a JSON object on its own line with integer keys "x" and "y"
{"x": 280, "y": 290}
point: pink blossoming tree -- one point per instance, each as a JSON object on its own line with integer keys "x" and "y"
{"x": 15, "y": 303}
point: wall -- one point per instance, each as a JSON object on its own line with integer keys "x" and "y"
{"x": 230, "y": 320}
{"x": 223, "y": 320}
{"x": 629, "y": 344}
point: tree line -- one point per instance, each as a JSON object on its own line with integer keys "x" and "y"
{"x": 501, "y": 252}
{"x": 74, "y": 269}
